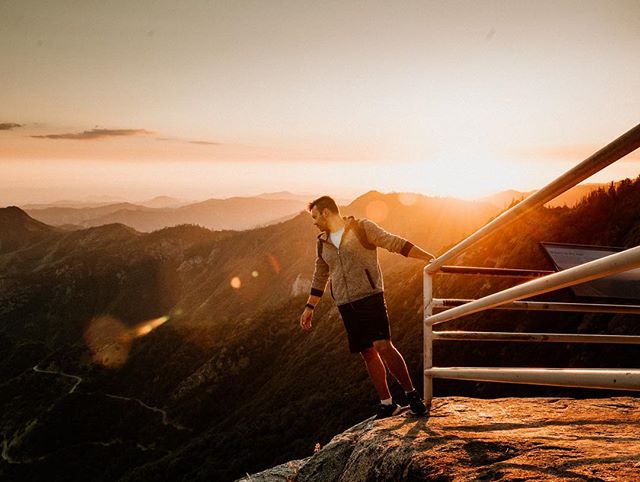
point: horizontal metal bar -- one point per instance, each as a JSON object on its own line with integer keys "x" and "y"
{"x": 623, "y": 145}
{"x": 598, "y": 268}
{"x": 534, "y": 337}
{"x": 445, "y": 303}
{"x": 617, "y": 379}
{"x": 507, "y": 272}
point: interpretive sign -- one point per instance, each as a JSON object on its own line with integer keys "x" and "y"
{"x": 620, "y": 286}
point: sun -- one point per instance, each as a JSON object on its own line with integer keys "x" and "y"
{"x": 470, "y": 172}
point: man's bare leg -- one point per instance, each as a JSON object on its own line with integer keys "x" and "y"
{"x": 394, "y": 360}
{"x": 377, "y": 372}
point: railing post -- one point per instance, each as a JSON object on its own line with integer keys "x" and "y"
{"x": 427, "y": 337}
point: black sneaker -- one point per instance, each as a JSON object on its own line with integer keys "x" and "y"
{"x": 385, "y": 411}
{"x": 415, "y": 403}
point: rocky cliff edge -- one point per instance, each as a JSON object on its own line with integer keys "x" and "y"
{"x": 467, "y": 439}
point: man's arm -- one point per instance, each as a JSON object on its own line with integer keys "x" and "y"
{"x": 319, "y": 280}
{"x": 318, "y": 285}
{"x": 383, "y": 239}
{"x": 418, "y": 253}
{"x": 391, "y": 242}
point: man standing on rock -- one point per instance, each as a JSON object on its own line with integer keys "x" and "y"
{"x": 347, "y": 258}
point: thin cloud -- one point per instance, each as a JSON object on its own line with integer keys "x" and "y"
{"x": 7, "y": 126}
{"x": 186, "y": 141}
{"x": 97, "y": 134}
{"x": 205, "y": 143}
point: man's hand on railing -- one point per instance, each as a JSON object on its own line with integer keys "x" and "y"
{"x": 419, "y": 253}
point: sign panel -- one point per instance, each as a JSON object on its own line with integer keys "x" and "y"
{"x": 620, "y": 286}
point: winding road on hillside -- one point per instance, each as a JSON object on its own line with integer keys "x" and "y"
{"x": 79, "y": 380}
{"x": 6, "y": 444}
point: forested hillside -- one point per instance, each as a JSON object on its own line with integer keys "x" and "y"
{"x": 226, "y": 382}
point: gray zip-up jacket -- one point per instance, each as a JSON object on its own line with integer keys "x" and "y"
{"x": 353, "y": 270}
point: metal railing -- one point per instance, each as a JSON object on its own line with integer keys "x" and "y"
{"x": 543, "y": 282}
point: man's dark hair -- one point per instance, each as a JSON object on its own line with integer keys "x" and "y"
{"x": 324, "y": 202}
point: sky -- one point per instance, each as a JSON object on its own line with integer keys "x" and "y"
{"x": 210, "y": 99}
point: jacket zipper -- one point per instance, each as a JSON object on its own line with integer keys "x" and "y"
{"x": 344, "y": 277}
{"x": 346, "y": 285}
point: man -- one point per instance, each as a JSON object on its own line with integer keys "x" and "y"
{"x": 347, "y": 259}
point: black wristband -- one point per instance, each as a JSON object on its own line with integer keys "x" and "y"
{"x": 310, "y": 306}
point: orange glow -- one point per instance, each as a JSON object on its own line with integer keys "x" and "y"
{"x": 377, "y": 211}
{"x": 275, "y": 264}
{"x": 235, "y": 283}
{"x": 407, "y": 198}
{"x": 109, "y": 339}
{"x": 148, "y": 326}
{"x": 470, "y": 171}
{"x": 363, "y": 103}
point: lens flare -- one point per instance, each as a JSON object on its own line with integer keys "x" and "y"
{"x": 254, "y": 274}
{"x": 148, "y": 326}
{"x": 407, "y": 198}
{"x": 109, "y": 339}
{"x": 273, "y": 261}
{"x": 377, "y": 211}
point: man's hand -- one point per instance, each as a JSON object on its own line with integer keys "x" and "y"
{"x": 305, "y": 319}
{"x": 418, "y": 253}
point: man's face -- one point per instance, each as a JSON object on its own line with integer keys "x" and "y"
{"x": 319, "y": 220}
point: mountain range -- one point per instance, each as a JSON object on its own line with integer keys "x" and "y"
{"x": 236, "y": 213}
{"x": 156, "y": 202}
{"x": 176, "y": 354}
{"x": 217, "y": 214}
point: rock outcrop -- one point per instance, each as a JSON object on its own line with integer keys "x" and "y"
{"x": 467, "y": 439}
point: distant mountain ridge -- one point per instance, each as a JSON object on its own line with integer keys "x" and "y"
{"x": 164, "y": 202}
{"x": 569, "y": 198}
{"x": 218, "y": 214}
{"x": 156, "y": 202}
{"x": 287, "y": 195}
{"x": 235, "y": 213}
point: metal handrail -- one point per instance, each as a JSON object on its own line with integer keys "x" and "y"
{"x": 606, "y": 266}
{"x": 445, "y": 304}
{"x": 598, "y": 268}
{"x": 526, "y": 337}
{"x": 621, "y": 379}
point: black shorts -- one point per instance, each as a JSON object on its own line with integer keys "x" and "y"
{"x": 365, "y": 320}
